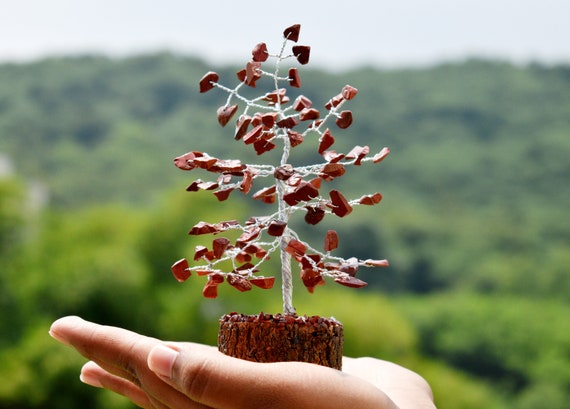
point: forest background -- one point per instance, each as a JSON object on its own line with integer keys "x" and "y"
{"x": 474, "y": 221}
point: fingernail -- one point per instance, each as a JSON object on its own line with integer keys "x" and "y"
{"x": 58, "y": 337}
{"x": 90, "y": 379}
{"x": 161, "y": 360}
{"x": 64, "y": 322}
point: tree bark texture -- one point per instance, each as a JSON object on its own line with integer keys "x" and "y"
{"x": 278, "y": 338}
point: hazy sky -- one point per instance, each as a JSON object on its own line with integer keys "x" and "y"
{"x": 341, "y": 33}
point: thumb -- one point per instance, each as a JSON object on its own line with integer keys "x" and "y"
{"x": 207, "y": 376}
{"x": 211, "y": 378}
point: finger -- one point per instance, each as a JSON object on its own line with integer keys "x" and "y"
{"x": 114, "y": 346}
{"x": 121, "y": 353}
{"x": 92, "y": 374}
{"x": 216, "y": 380}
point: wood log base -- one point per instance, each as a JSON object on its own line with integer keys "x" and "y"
{"x": 279, "y": 338}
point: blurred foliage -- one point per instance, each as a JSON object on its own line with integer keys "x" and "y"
{"x": 473, "y": 220}
{"x": 12, "y": 216}
{"x": 522, "y": 346}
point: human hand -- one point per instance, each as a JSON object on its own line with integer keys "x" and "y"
{"x": 156, "y": 374}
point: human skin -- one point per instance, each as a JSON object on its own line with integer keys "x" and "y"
{"x": 158, "y": 374}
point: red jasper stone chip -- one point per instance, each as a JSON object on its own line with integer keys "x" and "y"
{"x": 379, "y": 157}
{"x": 241, "y": 126}
{"x": 314, "y": 214}
{"x": 331, "y": 171}
{"x": 248, "y": 235}
{"x": 325, "y": 141}
{"x": 348, "y": 92}
{"x": 208, "y": 80}
{"x": 289, "y": 122}
{"x": 283, "y": 172}
{"x": 210, "y": 291}
{"x": 253, "y": 135}
{"x": 302, "y": 102}
{"x": 276, "y": 96}
{"x": 229, "y": 165}
{"x": 199, "y": 252}
{"x": 263, "y": 282}
{"x": 262, "y": 145}
{"x": 334, "y": 101}
{"x": 332, "y": 156}
{"x": 331, "y": 240}
{"x": 252, "y": 73}
{"x": 203, "y": 228}
{"x": 296, "y": 248}
{"x": 219, "y": 246}
{"x": 247, "y": 182}
{"x": 294, "y": 79}
{"x": 302, "y": 193}
{"x": 349, "y": 281}
{"x": 225, "y": 113}
{"x": 186, "y": 161}
{"x": 241, "y": 75}
{"x": 295, "y": 138}
{"x": 302, "y": 52}
{"x": 370, "y": 200}
{"x": 265, "y": 192}
{"x": 276, "y": 228}
{"x": 344, "y": 120}
{"x": 238, "y": 282}
{"x": 340, "y": 205}
{"x": 309, "y": 114}
{"x": 358, "y": 152}
{"x": 260, "y": 53}
{"x": 211, "y": 288}
{"x": 377, "y": 263}
{"x": 292, "y": 33}
{"x": 268, "y": 120}
{"x": 311, "y": 278}
{"x": 180, "y": 270}
{"x": 205, "y": 162}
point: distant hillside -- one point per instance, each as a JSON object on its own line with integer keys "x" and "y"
{"x": 478, "y": 173}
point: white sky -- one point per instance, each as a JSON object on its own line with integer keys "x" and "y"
{"x": 384, "y": 33}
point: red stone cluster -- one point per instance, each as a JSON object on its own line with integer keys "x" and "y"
{"x": 276, "y": 120}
